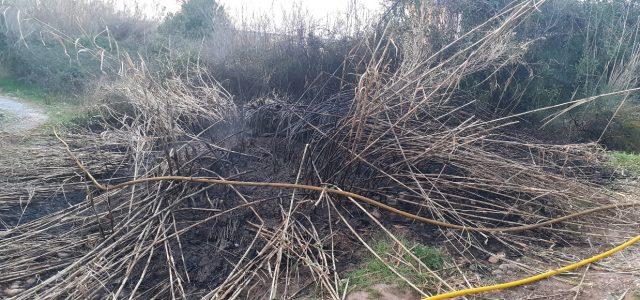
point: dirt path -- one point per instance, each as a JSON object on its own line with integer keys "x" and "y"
{"x": 20, "y": 116}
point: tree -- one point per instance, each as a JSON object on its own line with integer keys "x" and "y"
{"x": 197, "y": 19}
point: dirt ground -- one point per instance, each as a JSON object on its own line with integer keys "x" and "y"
{"x": 616, "y": 278}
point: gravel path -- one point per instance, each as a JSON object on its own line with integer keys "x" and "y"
{"x": 20, "y": 117}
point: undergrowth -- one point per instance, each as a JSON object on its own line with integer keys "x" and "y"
{"x": 372, "y": 271}
{"x": 626, "y": 161}
{"x": 10, "y": 86}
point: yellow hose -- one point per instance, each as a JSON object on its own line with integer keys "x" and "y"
{"x": 535, "y": 278}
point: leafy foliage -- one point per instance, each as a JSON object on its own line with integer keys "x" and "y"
{"x": 197, "y": 19}
{"x": 574, "y": 50}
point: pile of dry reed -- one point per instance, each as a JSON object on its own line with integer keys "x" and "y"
{"x": 405, "y": 136}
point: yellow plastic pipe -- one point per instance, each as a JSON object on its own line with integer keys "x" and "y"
{"x": 535, "y": 278}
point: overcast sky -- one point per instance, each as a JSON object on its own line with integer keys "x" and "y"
{"x": 318, "y": 9}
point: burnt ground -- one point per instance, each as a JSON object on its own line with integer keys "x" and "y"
{"x": 26, "y": 191}
{"x": 615, "y": 278}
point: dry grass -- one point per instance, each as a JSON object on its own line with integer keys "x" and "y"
{"x": 403, "y": 135}
{"x": 36, "y": 173}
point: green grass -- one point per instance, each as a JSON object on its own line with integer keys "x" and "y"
{"x": 59, "y": 109}
{"x": 372, "y": 271}
{"x": 626, "y": 160}
{"x": 12, "y": 87}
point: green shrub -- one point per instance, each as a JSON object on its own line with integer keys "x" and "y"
{"x": 576, "y": 46}
{"x": 574, "y": 50}
{"x": 197, "y": 19}
{"x": 12, "y": 87}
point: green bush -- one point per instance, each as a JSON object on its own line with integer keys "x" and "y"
{"x": 574, "y": 50}
{"x": 65, "y": 55}
{"x": 197, "y": 19}
{"x": 50, "y": 69}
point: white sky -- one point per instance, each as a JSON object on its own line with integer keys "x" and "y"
{"x": 318, "y": 9}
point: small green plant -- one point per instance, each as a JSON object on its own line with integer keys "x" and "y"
{"x": 373, "y": 271}
{"x": 430, "y": 256}
{"x": 626, "y": 160}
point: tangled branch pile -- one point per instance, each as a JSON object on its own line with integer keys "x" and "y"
{"x": 404, "y": 134}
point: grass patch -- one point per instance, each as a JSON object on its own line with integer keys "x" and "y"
{"x": 372, "y": 271}
{"x": 626, "y": 160}
{"x": 12, "y": 87}
{"x": 59, "y": 110}
{"x": 65, "y": 113}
